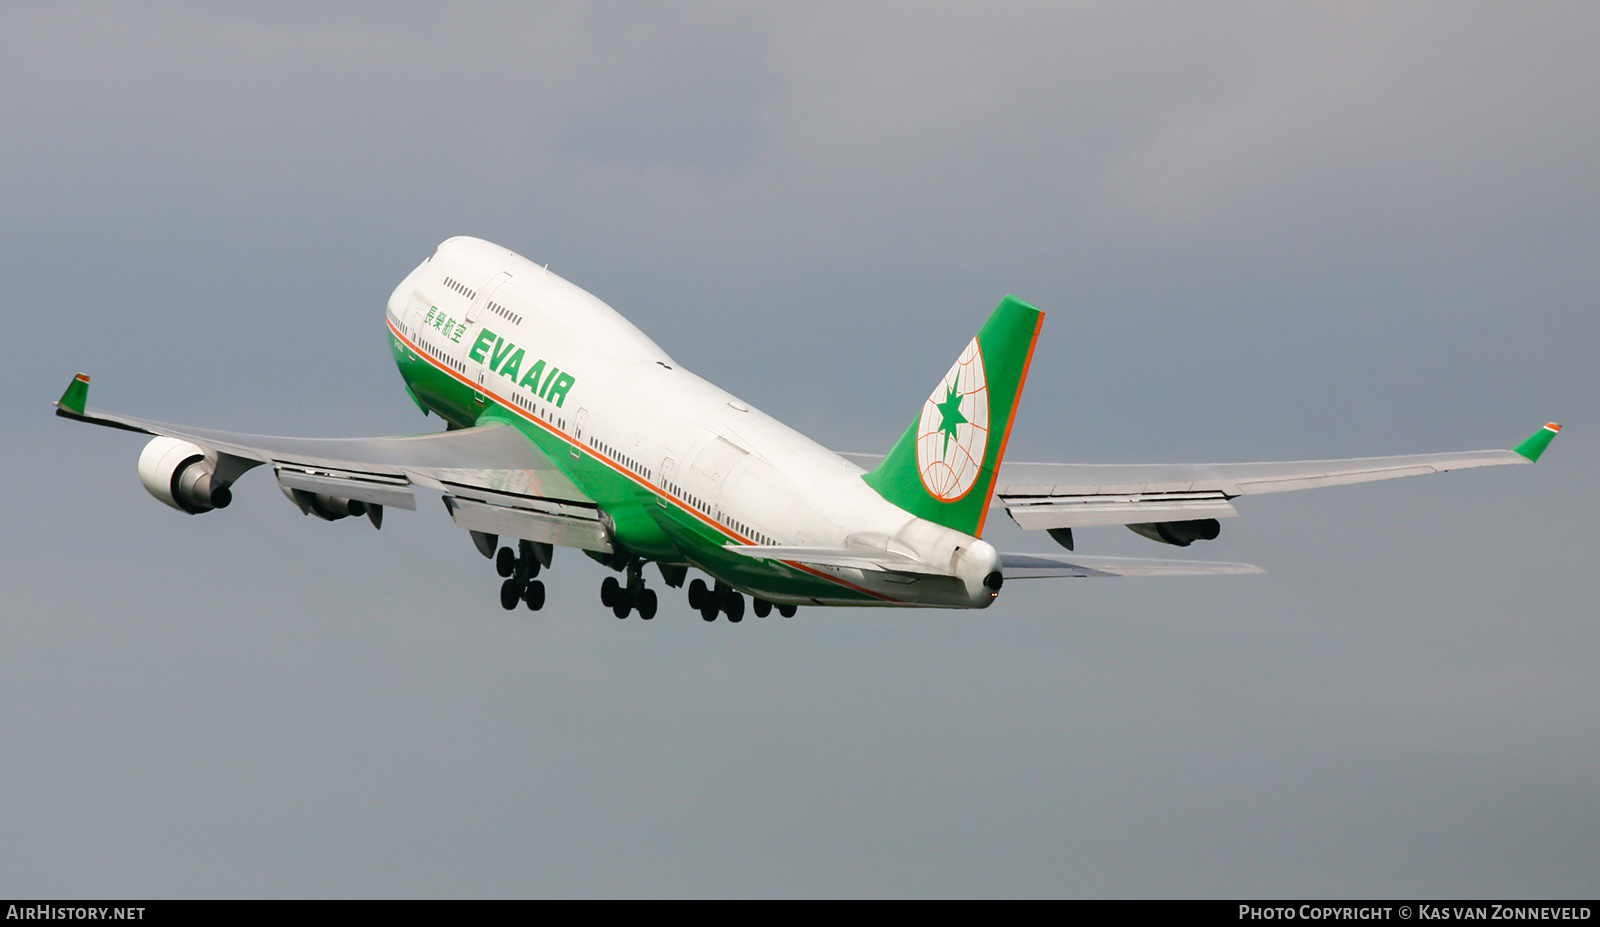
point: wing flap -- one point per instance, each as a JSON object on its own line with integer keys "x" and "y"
{"x": 365, "y": 487}
{"x": 1083, "y": 511}
{"x": 528, "y": 523}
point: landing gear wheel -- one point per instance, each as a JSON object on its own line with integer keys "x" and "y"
{"x": 534, "y": 596}
{"x": 510, "y": 594}
{"x": 734, "y": 606}
{"x": 697, "y": 595}
{"x": 761, "y": 607}
{"x": 647, "y": 604}
{"x": 505, "y": 562}
{"x": 611, "y": 593}
{"x": 708, "y": 612}
{"x": 786, "y": 611}
{"x": 622, "y": 608}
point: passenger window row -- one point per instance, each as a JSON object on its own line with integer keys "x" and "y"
{"x": 534, "y": 410}
{"x": 459, "y": 287}
{"x": 678, "y": 492}
{"x": 745, "y": 529}
{"x": 621, "y": 458}
{"x": 442, "y": 357}
{"x": 505, "y": 313}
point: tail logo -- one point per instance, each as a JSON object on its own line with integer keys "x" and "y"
{"x": 953, "y": 433}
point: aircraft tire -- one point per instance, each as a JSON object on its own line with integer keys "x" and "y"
{"x": 610, "y": 592}
{"x": 533, "y": 567}
{"x": 647, "y": 604}
{"x": 761, "y": 607}
{"x": 734, "y": 606}
{"x": 622, "y": 608}
{"x": 697, "y": 595}
{"x": 534, "y": 596}
{"x": 510, "y": 594}
{"x": 708, "y": 612}
{"x": 786, "y": 611}
{"x": 505, "y": 562}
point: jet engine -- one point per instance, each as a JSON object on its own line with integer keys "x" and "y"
{"x": 1179, "y": 533}
{"x": 332, "y": 508}
{"x": 183, "y": 476}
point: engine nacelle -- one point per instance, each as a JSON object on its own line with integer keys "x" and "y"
{"x": 182, "y": 475}
{"x": 332, "y": 508}
{"x": 1179, "y": 533}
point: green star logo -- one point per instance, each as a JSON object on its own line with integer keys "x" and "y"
{"x": 950, "y": 414}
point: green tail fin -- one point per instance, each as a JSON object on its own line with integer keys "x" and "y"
{"x": 77, "y": 394}
{"x": 1537, "y": 442}
{"x": 943, "y": 467}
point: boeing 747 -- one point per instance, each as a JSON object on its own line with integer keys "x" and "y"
{"x": 567, "y": 427}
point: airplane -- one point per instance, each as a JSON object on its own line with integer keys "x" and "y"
{"x": 565, "y": 426}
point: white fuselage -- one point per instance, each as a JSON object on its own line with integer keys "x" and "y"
{"x": 629, "y": 404}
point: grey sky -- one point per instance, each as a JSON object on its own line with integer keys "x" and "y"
{"x": 1258, "y": 231}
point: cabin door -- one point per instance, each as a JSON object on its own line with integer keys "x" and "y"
{"x": 577, "y": 431}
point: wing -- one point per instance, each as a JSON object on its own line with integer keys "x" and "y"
{"x": 1054, "y": 496}
{"x": 1046, "y": 566}
{"x": 496, "y": 481}
{"x": 1057, "y": 496}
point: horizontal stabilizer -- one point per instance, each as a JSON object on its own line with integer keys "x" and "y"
{"x": 1046, "y": 566}
{"x": 856, "y": 558}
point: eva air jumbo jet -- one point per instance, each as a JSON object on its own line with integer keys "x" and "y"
{"x": 567, "y": 427}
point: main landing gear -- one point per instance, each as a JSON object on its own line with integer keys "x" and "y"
{"x": 520, "y": 567}
{"x": 634, "y": 596}
{"x": 724, "y": 599}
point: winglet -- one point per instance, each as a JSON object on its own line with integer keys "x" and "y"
{"x": 72, "y": 401}
{"x": 1537, "y": 442}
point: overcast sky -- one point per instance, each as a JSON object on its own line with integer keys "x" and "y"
{"x": 1257, "y": 231}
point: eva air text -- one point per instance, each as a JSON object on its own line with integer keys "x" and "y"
{"x": 548, "y": 382}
